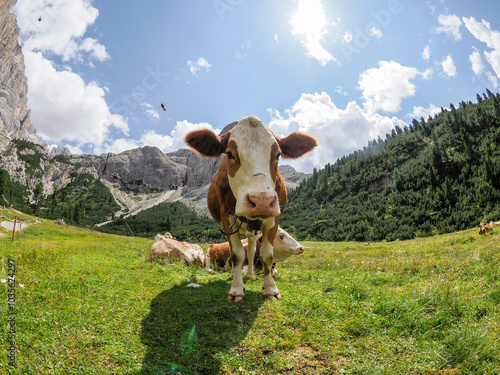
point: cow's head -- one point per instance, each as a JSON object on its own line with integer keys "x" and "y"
{"x": 252, "y": 154}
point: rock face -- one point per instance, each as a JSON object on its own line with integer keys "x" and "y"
{"x": 148, "y": 170}
{"x": 15, "y": 122}
{"x": 138, "y": 178}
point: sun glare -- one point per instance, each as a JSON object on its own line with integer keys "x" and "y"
{"x": 309, "y": 18}
{"x": 309, "y": 24}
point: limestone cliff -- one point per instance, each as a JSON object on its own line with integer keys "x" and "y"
{"x": 15, "y": 122}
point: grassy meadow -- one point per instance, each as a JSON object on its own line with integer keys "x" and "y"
{"x": 91, "y": 303}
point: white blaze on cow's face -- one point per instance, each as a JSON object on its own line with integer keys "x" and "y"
{"x": 253, "y": 153}
{"x": 285, "y": 245}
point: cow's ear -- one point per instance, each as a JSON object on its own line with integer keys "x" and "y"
{"x": 206, "y": 142}
{"x": 296, "y": 144}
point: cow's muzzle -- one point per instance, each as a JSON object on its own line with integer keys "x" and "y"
{"x": 261, "y": 205}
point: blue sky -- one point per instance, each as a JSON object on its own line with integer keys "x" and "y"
{"x": 346, "y": 72}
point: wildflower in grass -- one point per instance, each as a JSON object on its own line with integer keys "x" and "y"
{"x": 3, "y": 280}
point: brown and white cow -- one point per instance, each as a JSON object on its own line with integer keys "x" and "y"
{"x": 284, "y": 246}
{"x": 249, "y": 189}
{"x": 167, "y": 248}
{"x": 485, "y": 228}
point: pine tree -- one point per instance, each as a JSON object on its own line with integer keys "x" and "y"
{"x": 397, "y": 179}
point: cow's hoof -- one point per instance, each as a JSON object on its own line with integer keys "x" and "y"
{"x": 274, "y": 296}
{"x": 236, "y": 298}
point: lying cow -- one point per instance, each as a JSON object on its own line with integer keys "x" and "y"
{"x": 284, "y": 245}
{"x": 486, "y": 228}
{"x": 248, "y": 192}
{"x": 494, "y": 224}
{"x": 167, "y": 248}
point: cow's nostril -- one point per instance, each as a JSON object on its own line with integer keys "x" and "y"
{"x": 272, "y": 203}
{"x": 250, "y": 203}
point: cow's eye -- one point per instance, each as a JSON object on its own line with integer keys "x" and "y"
{"x": 278, "y": 156}
{"x": 230, "y": 155}
{"x": 282, "y": 236}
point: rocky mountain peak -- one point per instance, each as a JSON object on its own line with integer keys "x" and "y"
{"x": 15, "y": 121}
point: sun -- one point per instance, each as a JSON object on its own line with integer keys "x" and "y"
{"x": 309, "y": 24}
{"x": 309, "y": 20}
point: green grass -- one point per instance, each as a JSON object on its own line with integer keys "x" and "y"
{"x": 93, "y": 304}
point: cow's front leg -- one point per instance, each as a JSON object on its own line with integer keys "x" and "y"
{"x": 236, "y": 293}
{"x": 267, "y": 258}
{"x": 252, "y": 243}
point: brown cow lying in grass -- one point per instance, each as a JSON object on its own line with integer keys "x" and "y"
{"x": 486, "y": 228}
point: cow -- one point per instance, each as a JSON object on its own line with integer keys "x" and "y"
{"x": 284, "y": 245}
{"x": 485, "y": 228}
{"x": 247, "y": 192}
{"x": 167, "y": 248}
{"x": 494, "y": 224}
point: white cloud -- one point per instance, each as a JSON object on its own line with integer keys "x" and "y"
{"x": 493, "y": 79}
{"x": 166, "y": 143}
{"x": 347, "y": 37}
{"x": 339, "y": 131}
{"x": 450, "y": 25}
{"x": 482, "y": 31}
{"x": 163, "y": 142}
{"x": 117, "y": 146}
{"x": 427, "y": 73}
{"x": 449, "y": 66}
{"x": 385, "y": 87}
{"x": 419, "y": 112}
{"x": 61, "y": 28}
{"x": 309, "y": 23}
{"x": 196, "y": 66}
{"x": 477, "y": 62}
{"x": 340, "y": 90}
{"x": 426, "y": 53}
{"x": 74, "y": 149}
{"x": 376, "y": 32}
{"x": 64, "y": 107}
{"x": 150, "y": 111}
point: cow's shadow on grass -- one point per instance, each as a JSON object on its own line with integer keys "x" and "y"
{"x": 187, "y": 330}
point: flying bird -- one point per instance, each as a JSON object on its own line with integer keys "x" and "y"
{"x": 164, "y": 106}
{"x": 40, "y": 19}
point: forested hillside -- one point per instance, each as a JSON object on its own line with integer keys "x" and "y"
{"x": 85, "y": 201}
{"x": 436, "y": 176}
